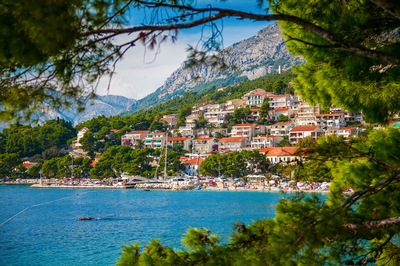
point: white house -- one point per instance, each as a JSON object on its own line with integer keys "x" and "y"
{"x": 244, "y": 130}
{"x": 131, "y": 138}
{"x": 203, "y": 145}
{"x": 284, "y": 154}
{"x": 256, "y": 97}
{"x": 187, "y": 142}
{"x": 191, "y": 166}
{"x": 298, "y": 133}
{"x": 233, "y": 143}
{"x": 344, "y": 132}
{"x": 328, "y": 121}
{"x": 267, "y": 141}
{"x": 281, "y": 129}
{"x": 155, "y": 140}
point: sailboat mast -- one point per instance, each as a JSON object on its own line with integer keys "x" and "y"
{"x": 166, "y": 152}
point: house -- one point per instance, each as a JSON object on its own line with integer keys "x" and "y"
{"x": 171, "y": 121}
{"x": 260, "y": 130}
{"x": 187, "y": 142}
{"x": 254, "y": 115}
{"x": 267, "y": 141}
{"x": 28, "y": 164}
{"x": 200, "y": 107}
{"x": 344, "y": 132}
{"x": 328, "y": 121}
{"x": 188, "y": 132}
{"x": 155, "y": 140}
{"x": 192, "y": 118}
{"x": 203, "y": 145}
{"x": 282, "y": 111}
{"x": 280, "y": 101}
{"x": 131, "y": 138}
{"x": 256, "y": 97}
{"x": 300, "y": 132}
{"x": 285, "y": 154}
{"x": 281, "y": 129}
{"x": 233, "y": 143}
{"x": 80, "y": 134}
{"x": 216, "y": 114}
{"x": 232, "y": 105}
{"x": 191, "y": 166}
{"x": 306, "y": 114}
{"x": 244, "y": 130}
{"x": 207, "y": 132}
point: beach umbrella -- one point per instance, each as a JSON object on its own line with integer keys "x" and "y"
{"x": 292, "y": 181}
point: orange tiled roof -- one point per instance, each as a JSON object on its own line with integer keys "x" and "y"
{"x": 264, "y": 150}
{"x": 282, "y": 109}
{"x": 343, "y": 128}
{"x": 284, "y": 151}
{"x": 244, "y": 125}
{"x": 165, "y": 118}
{"x": 267, "y": 136}
{"x": 194, "y": 161}
{"x": 232, "y": 139}
{"x": 304, "y": 128}
{"x": 285, "y": 95}
{"x": 93, "y": 163}
{"x": 27, "y": 164}
{"x": 255, "y": 110}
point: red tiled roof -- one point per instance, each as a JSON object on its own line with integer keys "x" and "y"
{"x": 27, "y": 164}
{"x": 204, "y": 138}
{"x": 343, "y": 128}
{"x": 84, "y": 129}
{"x": 232, "y": 139}
{"x": 114, "y": 130}
{"x": 165, "y": 118}
{"x": 244, "y": 125}
{"x": 177, "y": 139}
{"x": 392, "y": 122}
{"x": 93, "y": 163}
{"x": 282, "y": 124}
{"x": 184, "y": 158}
{"x": 282, "y": 109}
{"x": 284, "y": 151}
{"x": 264, "y": 150}
{"x": 338, "y": 114}
{"x": 304, "y": 128}
{"x": 285, "y": 95}
{"x": 195, "y": 161}
{"x": 255, "y": 110}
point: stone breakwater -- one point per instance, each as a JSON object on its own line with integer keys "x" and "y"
{"x": 174, "y": 187}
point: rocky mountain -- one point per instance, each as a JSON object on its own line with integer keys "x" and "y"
{"x": 108, "y": 105}
{"x": 252, "y": 58}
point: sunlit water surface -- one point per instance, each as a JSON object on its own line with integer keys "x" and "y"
{"x": 52, "y": 235}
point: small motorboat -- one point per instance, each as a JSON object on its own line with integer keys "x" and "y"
{"x": 146, "y": 189}
{"x": 86, "y": 218}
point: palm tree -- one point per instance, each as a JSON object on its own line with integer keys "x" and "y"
{"x": 139, "y": 144}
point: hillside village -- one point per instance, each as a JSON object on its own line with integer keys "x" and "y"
{"x": 290, "y": 119}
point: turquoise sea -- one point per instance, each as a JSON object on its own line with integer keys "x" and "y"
{"x": 51, "y": 234}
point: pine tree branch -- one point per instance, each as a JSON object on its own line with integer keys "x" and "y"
{"x": 372, "y": 225}
{"x": 390, "y": 6}
{"x": 222, "y": 13}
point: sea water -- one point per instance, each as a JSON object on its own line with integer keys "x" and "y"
{"x": 51, "y": 234}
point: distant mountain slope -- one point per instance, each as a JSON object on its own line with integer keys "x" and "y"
{"x": 107, "y": 105}
{"x": 254, "y": 57}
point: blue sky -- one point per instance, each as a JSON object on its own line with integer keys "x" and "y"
{"x": 141, "y": 72}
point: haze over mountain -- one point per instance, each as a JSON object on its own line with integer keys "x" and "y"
{"x": 107, "y": 105}
{"x": 254, "y": 57}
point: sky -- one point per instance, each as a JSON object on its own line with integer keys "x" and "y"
{"x": 142, "y": 71}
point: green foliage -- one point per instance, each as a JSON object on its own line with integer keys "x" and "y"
{"x": 8, "y": 161}
{"x": 307, "y": 142}
{"x": 332, "y": 76}
{"x": 285, "y": 142}
{"x": 282, "y": 118}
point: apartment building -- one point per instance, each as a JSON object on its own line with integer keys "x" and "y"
{"x": 233, "y": 143}
{"x": 244, "y": 130}
{"x": 284, "y": 155}
{"x": 282, "y": 111}
{"x": 81, "y": 132}
{"x": 300, "y": 132}
{"x": 200, "y": 108}
{"x": 281, "y": 129}
{"x": 155, "y": 140}
{"x": 256, "y": 97}
{"x": 260, "y": 130}
{"x": 203, "y": 145}
{"x": 171, "y": 121}
{"x": 344, "y": 132}
{"x": 207, "y": 132}
{"x": 306, "y": 114}
{"x": 232, "y": 105}
{"x": 328, "y": 121}
{"x": 191, "y": 118}
{"x": 267, "y": 141}
{"x": 131, "y": 138}
{"x": 254, "y": 115}
{"x": 186, "y": 142}
{"x": 192, "y": 166}
{"x": 280, "y": 101}
{"x": 216, "y": 114}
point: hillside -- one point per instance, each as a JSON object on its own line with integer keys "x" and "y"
{"x": 254, "y": 57}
